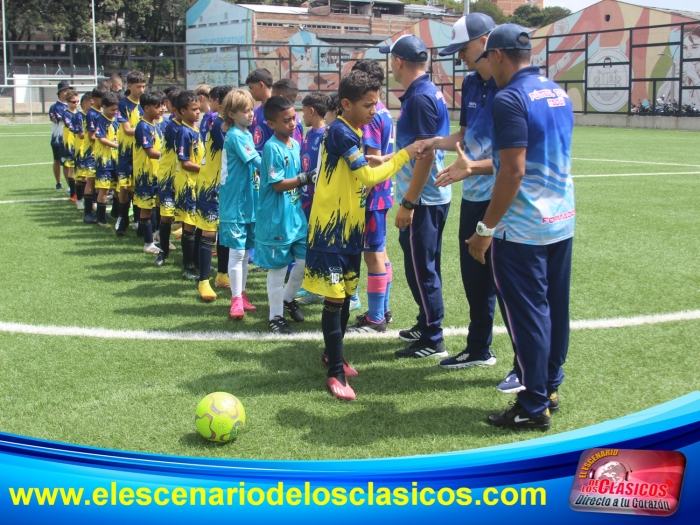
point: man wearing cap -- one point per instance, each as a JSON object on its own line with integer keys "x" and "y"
{"x": 56, "y": 115}
{"x": 529, "y": 223}
{"x": 469, "y": 35}
{"x": 424, "y": 207}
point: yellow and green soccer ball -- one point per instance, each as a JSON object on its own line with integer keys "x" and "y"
{"x": 219, "y": 417}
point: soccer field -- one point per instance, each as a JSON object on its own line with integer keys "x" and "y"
{"x": 78, "y": 364}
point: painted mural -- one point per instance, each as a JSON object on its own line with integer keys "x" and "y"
{"x": 608, "y": 54}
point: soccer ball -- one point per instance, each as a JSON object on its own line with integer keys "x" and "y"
{"x": 219, "y": 417}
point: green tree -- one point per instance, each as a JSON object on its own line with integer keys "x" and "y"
{"x": 527, "y": 16}
{"x": 486, "y": 7}
{"x": 552, "y": 14}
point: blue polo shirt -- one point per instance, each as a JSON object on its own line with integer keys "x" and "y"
{"x": 423, "y": 116}
{"x": 533, "y": 112}
{"x": 476, "y": 118}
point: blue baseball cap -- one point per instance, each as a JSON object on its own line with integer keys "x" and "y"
{"x": 407, "y": 47}
{"x": 507, "y": 36}
{"x": 466, "y": 29}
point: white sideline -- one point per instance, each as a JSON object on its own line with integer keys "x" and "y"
{"x": 24, "y": 134}
{"x": 22, "y": 165}
{"x": 35, "y": 200}
{"x": 635, "y": 174}
{"x": 103, "y": 333}
{"x": 638, "y": 162}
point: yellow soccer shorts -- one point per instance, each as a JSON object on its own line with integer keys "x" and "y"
{"x": 329, "y": 274}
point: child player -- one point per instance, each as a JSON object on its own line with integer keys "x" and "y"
{"x": 287, "y": 88}
{"x": 313, "y": 110}
{"x": 378, "y": 140}
{"x": 87, "y": 152}
{"x": 207, "y": 205}
{"x": 81, "y": 168}
{"x": 337, "y": 225}
{"x": 166, "y": 177}
{"x": 56, "y": 115}
{"x": 146, "y": 151}
{"x": 280, "y": 228}
{"x": 105, "y": 152}
{"x": 129, "y": 114}
{"x": 190, "y": 153}
{"x": 238, "y": 194}
{"x": 259, "y": 83}
{"x": 203, "y": 92}
{"x": 68, "y": 151}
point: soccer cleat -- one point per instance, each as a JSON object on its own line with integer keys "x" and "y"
{"x": 119, "y": 233}
{"x": 279, "y": 325}
{"x": 206, "y": 293}
{"x": 177, "y": 233}
{"x": 156, "y": 236}
{"x": 365, "y": 326}
{"x": 467, "y": 359}
{"x": 74, "y": 198}
{"x": 419, "y": 349}
{"x": 339, "y": 387}
{"x": 103, "y": 224}
{"x": 516, "y": 417}
{"x": 389, "y": 317}
{"x": 510, "y": 384}
{"x": 247, "y": 305}
{"x": 89, "y": 219}
{"x": 160, "y": 259}
{"x": 171, "y": 247}
{"x": 80, "y": 205}
{"x": 410, "y": 335}
{"x": 348, "y": 369}
{"x": 58, "y": 186}
{"x": 294, "y": 311}
{"x": 554, "y": 402}
{"x": 151, "y": 248}
{"x": 222, "y": 280}
{"x": 136, "y": 226}
{"x": 68, "y": 190}
{"x": 237, "y": 311}
{"x": 189, "y": 273}
{"x": 355, "y": 304}
{"x": 306, "y": 298}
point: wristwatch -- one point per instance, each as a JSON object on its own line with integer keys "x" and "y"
{"x": 483, "y": 230}
{"x": 408, "y": 204}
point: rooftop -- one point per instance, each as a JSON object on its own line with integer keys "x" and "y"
{"x": 275, "y": 9}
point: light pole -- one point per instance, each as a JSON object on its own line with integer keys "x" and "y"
{"x": 94, "y": 40}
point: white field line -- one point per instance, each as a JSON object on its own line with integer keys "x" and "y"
{"x": 103, "y": 333}
{"x": 20, "y": 201}
{"x": 22, "y": 165}
{"x": 638, "y": 162}
{"x": 636, "y": 174}
{"x": 25, "y": 134}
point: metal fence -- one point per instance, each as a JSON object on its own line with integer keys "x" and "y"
{"x": 648, "y": 70}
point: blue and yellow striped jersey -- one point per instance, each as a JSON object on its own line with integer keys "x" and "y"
{"x": 105, "y": 156}
{"x": 79, "y": 129}
{"x": 168, "y": 159}
{"x": 129, "y": 112}
{"x": 146, "y": 136}
{"x": 68, "y": 135}
{"x": 189, "y": 147}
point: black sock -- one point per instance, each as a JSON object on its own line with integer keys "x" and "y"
{"x": 88, "y": 204}
{"x": 71, "y": 185}
{"x": 165, "y": 229}
{"x": 206, "y": 246}
{"x": 345, "y": 315}
{"x": 187, "y": 244}
{"x": 137, "y": 219}
{"x": 147, "y": 228}
{"x": 221, "y": 258}
{"x": 101, "y": 212}
{"x": 124, "y": 214}
{"x": 115, "y": 207}
{"x": 197, "y": 242}
{"x": 155, "y": 217}
{"x": 333, "y": 336}
{"x": 80, "y": 191}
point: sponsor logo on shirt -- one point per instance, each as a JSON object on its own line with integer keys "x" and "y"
{"x": 305, "y": 162}
{"x": 257, "y": 136}
{"x": 472, "y": 104}
{"x": 559, "y": 217}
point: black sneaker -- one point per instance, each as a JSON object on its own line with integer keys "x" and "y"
{"x": 58, "y": 186}
{"x": 420, "y": 349}
{"x": 388, "y": 317}
{"x": 554, "y": 402}
{"x": 189, "y": 273}
{"x": 365, "y": 326}
{"x": 467, "y": 359}
{"x": 517, "y": 417}
{"x": 294, "y": 311}
{"x": 89, "y": 219}
{"x": 160, "y": 259}
{"x": 411, "y": 335}
{"x": 279, "y": 325}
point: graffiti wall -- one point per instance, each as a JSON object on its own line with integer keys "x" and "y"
{"x": 598, "y": 45}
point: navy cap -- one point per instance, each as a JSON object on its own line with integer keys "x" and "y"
{"x": 408, "y": 47}
{"x": 466, "y": 29}
{"x": 507, "y": 36}
{"x": 62, "y": 85}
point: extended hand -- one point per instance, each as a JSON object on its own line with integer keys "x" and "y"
{"x": 478, "y": 246}
{"x": 374, "y": 160}
{"x": 458, "y": 170}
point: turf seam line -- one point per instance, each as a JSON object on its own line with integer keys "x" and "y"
{"x": 638, "y": 162}
{"x": 22, "y": 165}
{"x": 636, "y": 174}
{"x": 103, "y": 333}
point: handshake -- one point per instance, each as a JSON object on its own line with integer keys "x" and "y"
{"x": 307, "y": 177}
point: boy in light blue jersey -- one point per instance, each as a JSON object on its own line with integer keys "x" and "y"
{"x": 238, "y": 194}
{"x": 280, "y": 232}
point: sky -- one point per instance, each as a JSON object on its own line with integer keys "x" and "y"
{"x": 577, "y": 5}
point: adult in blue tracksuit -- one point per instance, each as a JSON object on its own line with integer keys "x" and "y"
{"x": 529, "y": 223}
{"x": 424, "y": 207}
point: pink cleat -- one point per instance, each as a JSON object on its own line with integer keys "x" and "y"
{"x": 247, "y": 306}
{"x": 338, "y": 389}
{"x": 237, "y": 311}
{"x": 347, "y": 367}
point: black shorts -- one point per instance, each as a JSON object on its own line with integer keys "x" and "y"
{"x": 56, "y": 152}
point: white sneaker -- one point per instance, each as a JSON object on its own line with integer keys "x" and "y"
{"x": 135, "y": 225}
{"x": 80, "y": 205}
{"x": 171, "y": 247}
{"x": 151, "y": 248}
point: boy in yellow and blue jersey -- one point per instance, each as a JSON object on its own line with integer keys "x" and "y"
{"x": 56, "y": 116}
{"x": 190, "y": 153}
{"x": 280, "y": 228}
{"x": 130, "y": 112}
{"x": 147, "y": 147}
{"x": 207, "y": 205}
{"x": 81, "y": 169}
{"x": 105, "y": 152}
{"x": 166, "y": 178}
{"x": 87, "y": 152}
{"x": 68, "y": 147}
{"x": 337, "y": 222}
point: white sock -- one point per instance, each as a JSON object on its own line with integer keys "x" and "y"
{"x": 296, "y": 277}
{"x": 235, "y": 271}
{"x": 245, "y": 269}
{"x": 275, "y": 291}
